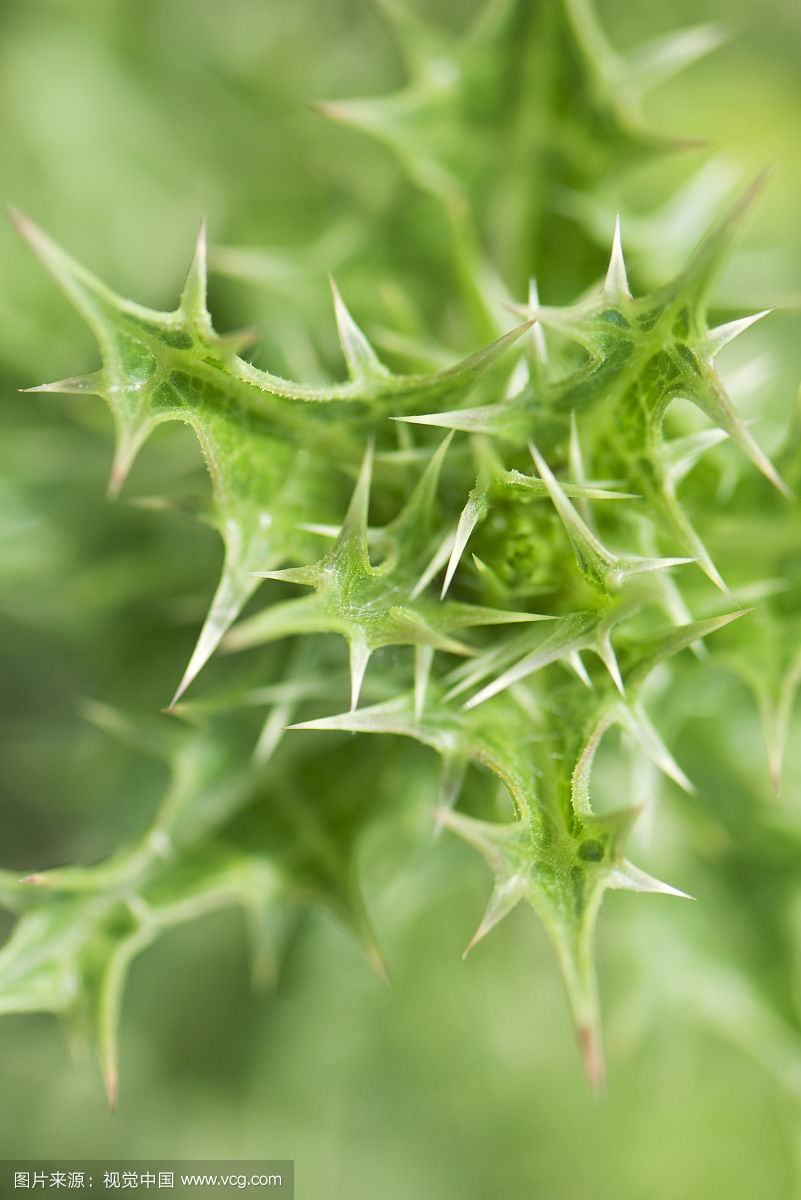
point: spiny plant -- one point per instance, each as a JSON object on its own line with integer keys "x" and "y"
{"x": 520, "y": 550}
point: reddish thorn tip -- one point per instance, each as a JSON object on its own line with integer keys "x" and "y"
{"x": 593, "y": 1059}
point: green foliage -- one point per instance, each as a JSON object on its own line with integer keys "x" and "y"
{"x": 511, "y": 593}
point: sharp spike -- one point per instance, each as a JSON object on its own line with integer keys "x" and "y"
{"x": 641, "y": 566}
{"x": 575, "y": 661}
{"x": 110, "y": 1083}
{"x": 776, "y": 721}
{"x": 697, "y": 277}
{"x": 438, "y": 560}
{"x": 79, "y": 385}
{"x": 577, "y": 471}
{"x": 721, "y": 335}
{"x": 686, "y": 532}
{"x": 592, "y": 1056}
{"x": 356, "y": 516}
{"x": 194, "y": 296}
{"x": 308, "y": 576}
{"x": 490, "y": 418}
{"x": 553, "y": 647}
{"x": 233, "y": 592}
{"x": 574, "y": 950}
{"x": 150, "y": 736}
{"x": 776, "y": 773}
{"x": 89, "y": 295}
{"x": 376, "y": 959}
{"x": 681, "y": 454}
{"x": 537, "y": 331}
{"x": 452, "y": 778}
{"x": 359, "y": 658}
{"x": 367, "y": 115}
{"x": 109, "y": 1004}
{"x": 239, "y": 339}
{"x": 130, "y": 439}
{"x": 678, "y": 638}
{"x": 616, "y": 284}
{"x": 360, "y": 358}
{"x": 660, "y": 60}
{"x": 423, "y": 658}
{"x": 596, "y": 563}
{"x": 575, "y": 457}
{"x": 272, "y": 733}
{"x": 505, "y": 896}
{"x": 606, "y": 653}
{"x": 629, "y": 878}
{"x": 473, "y": 512}
{"x": 646, "y": 735}
{"x": 415, "y": 518}
{"x": 712, "y": 400}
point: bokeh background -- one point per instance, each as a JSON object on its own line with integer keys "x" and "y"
{"x": 122, "y": 122}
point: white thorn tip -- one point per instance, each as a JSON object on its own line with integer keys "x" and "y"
{"x": 423, "y": 659}
{"x": 721, "y": 335}
{"x": 359, "y": 657}
{"x": 467, "y": 522}
{"x": 537, "y": 331}
{"x": 616, "y": 282}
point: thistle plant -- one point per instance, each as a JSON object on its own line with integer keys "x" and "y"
{"x": 522, "y": 545}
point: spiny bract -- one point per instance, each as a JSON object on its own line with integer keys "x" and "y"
{"x": 535, "y": 563}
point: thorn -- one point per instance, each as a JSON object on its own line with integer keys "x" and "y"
{"x": 592, "y": 1056}
{"x": 594, "y": 560}
{"x": 537, "y": 331}
{"x": 775, "y": 775}
{"x": 480, "y": 933}
{"x": 576, "y": 463}
{"x": 110, "y": 1082}
{"x": 505, "y": 896}
{"x": 360, "y": 358}
{"x": 438, "y": 560}
{"x": 641, "y": 566}
{"x": 356, "y": 516}
{"x": 471, "y": 514}
{"x": 575, "y": 661}
{"x": 575, "y": 457}
{"x": 78, "y": 385}
{"x": 378, "y": 963}
{"x": 240, "y": 339}
{"x": 346, "y": 112}
{"x": 81, "y": 287}
{"x": 721, "y": 335}
{"x": 606, "y": 653}
{"x": 706, "y": 259}
{"x": 423, "y": 657}
{"x": 36, "y": 879}
{"x": 359, "y": 658}
{"x": 233, "y": 591}
{"x": 660, "y": 60}
{"x": 453, "y": 773}
{"x": 24, "y": 226}
{"x": 194, "y": 298}
{"x": 115, "y": 481}
{"x": 128, "y": 445}
{"x": 641, "y": 728}
{"x": 206, "y": 643}
{"x": 616, "y": 283}
{"x": 631, "y": 879}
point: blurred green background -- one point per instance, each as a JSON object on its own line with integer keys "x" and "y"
{"x": 121, "y": 124}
